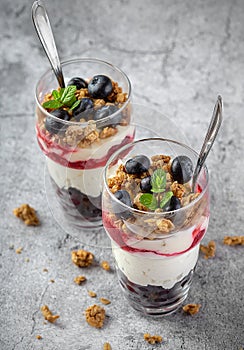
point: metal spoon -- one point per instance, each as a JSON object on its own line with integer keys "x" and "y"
{"x": 45, "y": 34}
{"x": 211, "y": 134}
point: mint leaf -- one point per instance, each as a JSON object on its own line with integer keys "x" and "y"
{"x": 71, "y": 102}
{"x": 68, "y": 94}
{"x": 56, "y": 94}
{"x": 74, "y": 105}
{"x": 52, "y": 104}
{"x": 166, "y": 198}
{"x": 149, "y": 201}
{"x": 158, "y": 181}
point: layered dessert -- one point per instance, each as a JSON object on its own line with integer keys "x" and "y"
{"x": 78, "y": 128}
{"x": 155, "y": 223}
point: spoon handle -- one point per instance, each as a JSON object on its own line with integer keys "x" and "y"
{"x": 45, "y": 34}
{"x": 211, "y": 134}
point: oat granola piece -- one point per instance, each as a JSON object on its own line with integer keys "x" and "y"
{"x": 79, "y": 279}
{"x": 107, "y": 346}
{"x": 165, "y": 225}
{"x": 19, "y": 250}
{"x": 27, "y": 214}
{"x": 95, "y": 316}
{"x": 48, "y": 314}
{"x": 105, "y": 265}
{"x": 105, "y": 301}
{"x": 92, "y": 294}
{"x": 152, "y": 339}
{"x": 191, "y": 309}
{"x": 39, "y": 337}
{"x": 82, "y": 258}
{"x": 107, "y": 132}
{"x": 177, "y": 189}
{"x": 208, "y": 250}
{"x": 233, "y": 240}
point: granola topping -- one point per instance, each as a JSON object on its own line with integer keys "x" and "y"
{"x": 152, "y": 339}
{"x": 191, "y": 309}
{"x": 27, "y": 214}
{"x": 82, "y": 258}
{"x": 107, "y": 346}
{"x": 95, "y": 316}
{"x": 209, "y": 250}
{"x": 48, "y": 314}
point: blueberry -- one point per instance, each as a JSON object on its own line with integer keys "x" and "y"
{"x": 173, "y": 204}
{"x": 138, "y": 164}
{"x": 105, "y": 111}
{"x": 145, "y": 184}
{"x": 124, "y": 197}
{"x": 100, "y": 86}
{"x": 182, "y": 169}
{"x": 83, "y": 110}
{"x": 54, "y": 126}
{"x": 78, "y": 82}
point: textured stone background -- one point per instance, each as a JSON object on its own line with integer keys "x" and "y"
{"x": 179, "y": 56}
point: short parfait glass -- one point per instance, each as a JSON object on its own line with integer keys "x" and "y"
{"x": 77, "y": 148}
{"x": 155, "y": 251}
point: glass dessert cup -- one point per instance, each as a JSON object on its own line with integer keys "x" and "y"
{"x": 77, "y": 151}
{"x": 155, "y": 252}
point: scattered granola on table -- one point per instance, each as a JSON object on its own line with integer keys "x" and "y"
{"x": 107, "y": 346}
{"x": 152, "y": 339}
{"x": 79, "y": 279}
{"x": 19, "y": 250}
{"x": 82, "y": 258}
{"x": 95, "y": 316}
{"x": 105, "y": 265}
{"x": 92, "y": 294}
{"x": 39, "y": 337}
{"x": 191, "y": 309}
{"x": 48, "y": 314}
{"x": 209, "y": 250}
{"x": 233, "y": 240}
{"x": 105, "y": 301}
{"x": 27, "y": 214}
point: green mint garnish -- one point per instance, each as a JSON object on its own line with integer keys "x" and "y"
{"x": 75, "y": 105}
{"x": 166, "y": 198}
{"x": 158, "y": 181}
{"x": 65, "y": 97}
{"x": 149, "y": 201}
{"x": 159, "y": 197}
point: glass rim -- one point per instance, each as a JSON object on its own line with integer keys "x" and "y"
{"x": 84, "y": 59}
{"x": 160, "y": 214}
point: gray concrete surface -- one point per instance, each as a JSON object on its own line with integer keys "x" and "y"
{"x": 179, "y": 56}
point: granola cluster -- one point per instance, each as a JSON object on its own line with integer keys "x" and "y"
{"x": 95, "y": 316}
{"x": 191, "y": 309}
{"x": 208, "y": 250}
{"x": 79, "y": 279}
{"x": 48, "y": 314}
{"x": 233, "y": 240}
{"x": 152, "y": 339}
{"x": 82, "y": 258}
{"x": 27, "y": 214}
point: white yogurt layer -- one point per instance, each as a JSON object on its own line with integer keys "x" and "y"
{"x": 147, "y": 269}
{"x": 88, "y": 181}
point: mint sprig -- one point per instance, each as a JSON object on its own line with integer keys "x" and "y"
{"x": 159, "y": 198}
{"x": 65, "y": 97}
